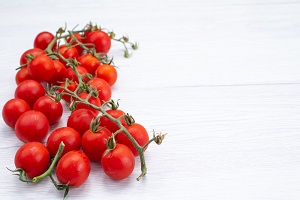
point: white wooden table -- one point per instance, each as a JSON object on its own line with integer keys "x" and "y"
{"x": 222, "y": 78}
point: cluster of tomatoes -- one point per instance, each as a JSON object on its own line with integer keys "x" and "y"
{"x": 73, "y": 72}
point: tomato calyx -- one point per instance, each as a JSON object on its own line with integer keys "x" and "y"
{"x": 129, "y": 119}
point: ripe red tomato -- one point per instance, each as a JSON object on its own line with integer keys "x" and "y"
{"x": 59, "y": 75}
{"x": 34, "y": 52}
{"x": 104, "y": 121}
{"x": 93, "y": 100}
{"x": 101, "y": 40}
{"x": 30, "y": 91}
{"x": 68, "y": 52}
{"x": 119, "y": 162}
{"x": 12, "y": 110}
{"x": 33, "y": 158}
{"x": 103, "y": 88}
{"x": 41, "y": 68}
{"x": 43, "y": 39}
{"x": 89, "y": 62}
{"x": 71, "y": 75}
{"x": 52, "y": 109}
{"x": 32, "y": 126}
{"x": 108, "y": 73}
{"x": 71, "y": 86}
{"x": 138, "y": 132}
{"x": 80, "y": 120}
{"x": 80, "y": 38}
{"x": 94, "y": 143}
{"x": 69, "y": 136}
{"x": 22, "y": 75}
{"x": 73, "y": 168}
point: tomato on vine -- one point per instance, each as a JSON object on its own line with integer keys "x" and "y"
{"x": 80, "y": 38}
{"x": 101, "y": 41}
{"x": 108, "y": 73}
{"x": 43, "y": 39}
{"x": 92, "y": 100}
{"x": 89, "y": 62}
{"x": 109, "y": 124}
{"x": 71, "y": 75}
{"x": 102, "y": 87}
{"x": 41, "y": 68}
{"x": 33, "y": 52}
{"x": 22, "y": 75}
{"x": 67, "y": 52}
{"x": 59, "y": 75}
{"x": 71, "y": 85}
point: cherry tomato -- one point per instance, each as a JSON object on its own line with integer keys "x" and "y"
{"x": 22, "y": 75}
{"x": 41, "y": 68}
{"x": 32, "y": 126}
{"x": 69, "y": 136}
{"x": 119, "y": 162}
{"x": 30, "y": 91}
{"x": 71, "y": 86}
{"x": 60, "y": 71}
{"x": 12, "y": 110}
{"x": 33, "y": 158}
{"x": 43, "y": 39}
{"x": 34, "y": 52}
{"x": 108, "y": 73}
{"x": 138, "y": 132}
{"x": 104, "y": 121}
{"x": 101, "y": 40}
{"x": 73, "y": 168}
{"x": 68, "y": 52}
{"x": 104, "y": 90}
{"x": 94, "y": 143}
{"x": 80, "y": 120}
{"x": 93, "y": 100}
{"x": 71, "y": 75}
{"x": 80, "y": 38}
{"x": 52, "y": 109}
{"x": 89, "y": 62}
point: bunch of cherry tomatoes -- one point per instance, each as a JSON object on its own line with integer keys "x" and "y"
{"x": 72, "y": 66}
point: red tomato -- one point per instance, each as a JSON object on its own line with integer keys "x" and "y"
{"x": 80, "y": 120}
{"x": 104, "y": 121}
{"x": 71, "y": 75}
{"x": 104, "y": 90}
{"x": 12, "y": 110}
{"x": 69, "y": 136}
{"x": 52, "y": 109}
{"x": 108, "y": 73}
{"x": 93, "y": 100}
{"x": 138, "y": 132}
{"x": 34, "y": 52}
{"x": 80, "y": 38}
{"x": 100, "y": 39}
{"x": 68, "y": 52}
{"x": 71, "y": 86}
{"x": 43, "y": 39}
{"x": 33, "y": 158}
{"x": 119, "y": 162}
{"x": 41, "y": 68}
{"x": 30, "y": 91}
{"x": 59, "y": 75}
{"x": 94, "y": 143}
{"x": 22, "y": 75}
{"x": 73, "y": 168}
{"x": 32, "y": 126}
{"x": 89, "y": 62}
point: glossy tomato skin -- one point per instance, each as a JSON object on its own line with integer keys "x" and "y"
{"x": 71, "y": 75}
{"x": 119, "y": 162}
{"x": 71, "y": 86}
{"x": 80, "y": 120}
{"x": 29, "y": 91}
{"x": 80, "y": 38}
{"x": 101, "y": 40}
{"x": 68, "y": 52}
{"x": 41, "y": 68}
{"x": 138, "y": 132}
{"x": 43, "y": 39}
{"x": 22, "y": 75}
{"x": 103, "y": 88}
{"x": 33, "y": 158}
{"x": 34, "y": 52}
{"x": 73, "y": 168}
{"x": 52, "y": 109}
{"x": 89, "y": 62}
{"x": 108, "y": 73}
{"x": 93, "y": 100}
{"x": 94, "y": 143}
{"x": 59, "y": 74}
{"x": 13, "y": 109}
{"x": 69, "y": 136}
{"x": 32, "y": 126}
{"x": 104, "y": 121}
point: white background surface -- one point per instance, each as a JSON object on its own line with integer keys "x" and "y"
{"x": 221, "y": 77}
